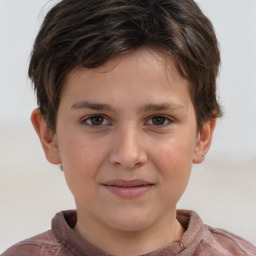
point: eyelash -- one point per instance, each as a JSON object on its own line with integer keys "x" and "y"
{"x": 85, "y": 121}
{"x": 167, "y": 121}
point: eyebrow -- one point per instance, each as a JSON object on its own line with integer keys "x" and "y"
{"x": 106, "y": 107}
{"x": 162, "y": 107}
{"x": 95, "y": 106}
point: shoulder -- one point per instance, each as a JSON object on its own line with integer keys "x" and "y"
{"x": 225, "y": 243}
{"x": 201, "y": 239}
{"x": 42, "y": 244}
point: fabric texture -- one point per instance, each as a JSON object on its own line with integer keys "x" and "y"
{"x": 198, "y": 240}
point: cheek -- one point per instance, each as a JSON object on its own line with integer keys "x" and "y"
{"x": 175, "y": 151}
{"x": 81, "y": 161}
{"x": 173, "y": 160}
{"x": 174, "y": 163}
{"x": 78, "y": 151}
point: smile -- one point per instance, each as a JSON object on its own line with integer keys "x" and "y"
{"x": 128, "y": 189}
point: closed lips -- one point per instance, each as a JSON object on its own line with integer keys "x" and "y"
{"x": 127, "y": 183}
{"x": 128, "y": 189}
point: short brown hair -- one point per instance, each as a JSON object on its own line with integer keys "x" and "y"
{"x": 88, "y": 33}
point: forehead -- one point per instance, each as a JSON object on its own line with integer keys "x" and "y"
{"x": 141, "y": 70}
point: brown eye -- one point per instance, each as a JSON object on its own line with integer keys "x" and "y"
{"x": 96, "y": 121}
{"x": 158, "y": 120}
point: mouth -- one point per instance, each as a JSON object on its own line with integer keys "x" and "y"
{"x": 128, "y": 189}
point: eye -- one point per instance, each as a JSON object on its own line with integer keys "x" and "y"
{"x": 159, "y": 121}
{"x": 96, "y": 120}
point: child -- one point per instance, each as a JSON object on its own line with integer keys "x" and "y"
{"x": 126, "y": 96}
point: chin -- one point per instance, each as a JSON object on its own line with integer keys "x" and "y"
{"x": 130, "y": 222}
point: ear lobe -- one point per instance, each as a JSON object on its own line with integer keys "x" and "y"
{"x": 204, "y": 141}
{"x": 48, "y": 140}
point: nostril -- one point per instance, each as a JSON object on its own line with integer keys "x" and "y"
{"x": 127, "y": 166}
{"x": 116, "y": 163}
{"x": 138, "y": 164}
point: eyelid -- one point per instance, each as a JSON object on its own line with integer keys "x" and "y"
{"x": 83, "y": 121}
{"x": 167, "y": 118}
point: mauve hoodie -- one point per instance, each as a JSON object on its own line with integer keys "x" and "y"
{"x": 198, "y": 240}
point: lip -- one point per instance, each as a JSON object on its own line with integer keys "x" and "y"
{"x": 128, "y": 189}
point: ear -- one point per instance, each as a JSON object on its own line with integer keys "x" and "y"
{"x": 48, "y": 140}
{"x": 204, "y": 140}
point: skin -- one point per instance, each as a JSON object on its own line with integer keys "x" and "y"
{"x": 131, "y": 118}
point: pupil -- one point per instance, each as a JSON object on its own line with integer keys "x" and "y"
{"x": 97, "y": 120}
{"x": 158, "y": 120}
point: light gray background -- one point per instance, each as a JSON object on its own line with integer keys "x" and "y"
{"x": 222, "y": 189}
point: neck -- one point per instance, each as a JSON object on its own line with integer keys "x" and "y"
{"x": 127, "y": 243}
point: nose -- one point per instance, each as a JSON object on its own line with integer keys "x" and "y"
{"x": 128, "y": 149}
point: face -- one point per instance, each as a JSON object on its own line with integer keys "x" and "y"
{"x": 126, "y": 136}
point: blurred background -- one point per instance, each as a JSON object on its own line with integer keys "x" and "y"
{"x": 222, "y": 189}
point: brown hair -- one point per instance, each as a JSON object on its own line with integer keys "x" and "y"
{"x": 89, "y": 32}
